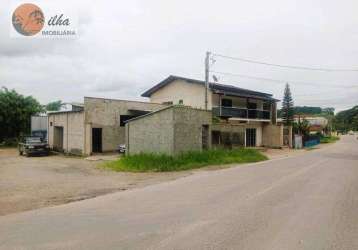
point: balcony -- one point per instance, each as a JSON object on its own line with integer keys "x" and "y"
{"x": 233, "y": 112}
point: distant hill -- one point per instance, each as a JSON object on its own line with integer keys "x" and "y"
{"x": 314, "y": 111}
{"x": 347, "y": 120}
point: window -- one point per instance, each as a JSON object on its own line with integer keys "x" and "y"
{"x": 124, "y": 118}
{"x": 251, "y": 105}
{"x": 167, "y": 103}
{"x": 181, "y": 102}
{"x": 266, "y": 106}
{"x": 226, "y": 102}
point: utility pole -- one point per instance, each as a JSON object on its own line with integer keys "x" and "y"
{"x": 207, "y": 72}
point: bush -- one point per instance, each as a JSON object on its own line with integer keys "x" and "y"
{"x": 185, "y": 161}
{"x": 9, "y": 142}
{"x": 329, "y": 139}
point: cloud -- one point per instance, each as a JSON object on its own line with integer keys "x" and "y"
{"x": 123, "y": 48}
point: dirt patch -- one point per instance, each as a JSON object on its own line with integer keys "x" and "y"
{"x": 35, "y": 182}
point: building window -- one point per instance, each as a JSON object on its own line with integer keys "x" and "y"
{"x": 167, "y": 103}
{"x": 251, "y": 105}
{"x": 266, "y": 106}
{"x": 226, "y": 102}
{"x": 50, "y": 124}
{"x": 124, "y": 118}
{"x": 181, "y": 102}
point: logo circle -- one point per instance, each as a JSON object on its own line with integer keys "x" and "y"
{"x": 28, "y": 19}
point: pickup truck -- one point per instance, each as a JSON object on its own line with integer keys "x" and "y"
{"x": 33, "y": 145}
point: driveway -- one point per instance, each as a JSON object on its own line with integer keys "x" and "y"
{"x": 303, "y": 202}
{"x": 30, "y": 183}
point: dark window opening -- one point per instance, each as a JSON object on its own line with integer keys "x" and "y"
{"x": 215, "y": 137}
{"x": 181, "y": 102}
{"x": 266, "y": 106}
{"x": 167, "y": 103}
{"x": 124, "y": 118}
{"x": 226, "y": 102}
{"x": 251, "y": 105}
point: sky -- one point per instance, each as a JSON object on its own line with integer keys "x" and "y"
{"x": 125, "y": 47}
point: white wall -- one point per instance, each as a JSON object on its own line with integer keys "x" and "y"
{"x": 192, "y": 94}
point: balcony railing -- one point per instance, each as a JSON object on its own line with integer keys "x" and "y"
{"x": 243, "y": 113}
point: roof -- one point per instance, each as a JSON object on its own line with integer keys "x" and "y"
{"x": 63, "y": 112}
{"x": 165, "y": 108}
{"x": 216, "y": 87}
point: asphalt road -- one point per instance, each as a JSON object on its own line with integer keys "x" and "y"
{"x": 303, "y": 202}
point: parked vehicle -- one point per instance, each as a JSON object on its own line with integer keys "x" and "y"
{"x": 33, "y": 146}
{"x": 122, "y": 148}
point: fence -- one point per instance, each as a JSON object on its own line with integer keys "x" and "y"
{"x": 311, "y": 141}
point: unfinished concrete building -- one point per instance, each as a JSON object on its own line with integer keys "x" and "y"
{"x": 174, "y": 121}
{"x": 96, "y": 127}
{"x": 172, "y": 130}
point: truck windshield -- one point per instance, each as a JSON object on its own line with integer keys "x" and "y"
{"x": 33, "y": 140}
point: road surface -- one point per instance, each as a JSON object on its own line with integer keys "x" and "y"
{"x": 303, "y": 202}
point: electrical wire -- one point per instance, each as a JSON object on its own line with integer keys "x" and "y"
{"x": 285, "y": 81}
{"x": 284, "y": 66}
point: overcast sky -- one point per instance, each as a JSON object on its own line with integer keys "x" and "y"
{"x": 125, "y": 47}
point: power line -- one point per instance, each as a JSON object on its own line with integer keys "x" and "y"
{"x": 284, "y": 66}
{"x": 284, "y": 81}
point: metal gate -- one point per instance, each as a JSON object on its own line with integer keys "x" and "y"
{"x": 228, "y": 140}
{"x": 251, "y": 137}
{"x": 286, "y": 136}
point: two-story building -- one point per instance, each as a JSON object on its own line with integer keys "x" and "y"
{"x": 235, "y": 117}
{"x": 174, "y": 120}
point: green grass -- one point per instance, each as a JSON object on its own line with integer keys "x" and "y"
{"x": 329, "y": 139}
{"x": 185, "y": 161}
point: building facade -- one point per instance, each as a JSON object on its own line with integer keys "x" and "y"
{"x": 249, "y": 115}
{"x": 97, "y": 127}
{"x": 173, "y": 121}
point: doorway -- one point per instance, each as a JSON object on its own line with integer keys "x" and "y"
{"x": 58, "y": 138}
{"x": 251, "y": 137}
{"x": 96, "y": 140}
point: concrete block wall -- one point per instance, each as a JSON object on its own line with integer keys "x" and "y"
{"x": 171, "y": 131}
{"x": 188, "y": 125}
{"x": 105, "y": 114}
{"x": 73, "y": 131}
{"x": 153, "y": 133}
{"x": 272, "y": 135}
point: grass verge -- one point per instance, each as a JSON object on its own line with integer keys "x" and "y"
{"x": 185, "y": 161}
{"x": 329, "y": 139}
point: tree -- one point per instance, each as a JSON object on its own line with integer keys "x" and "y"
{"x": 287, "y": 107}
{"x": 54, "y": 106}
{"x": 15, "y": 113}
{"x": 302, "y": 127}
{"x": 328, "y": 111}
{"x": 346, "y": 120}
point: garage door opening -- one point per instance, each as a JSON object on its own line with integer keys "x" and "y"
{"x": 96, "y": 140}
